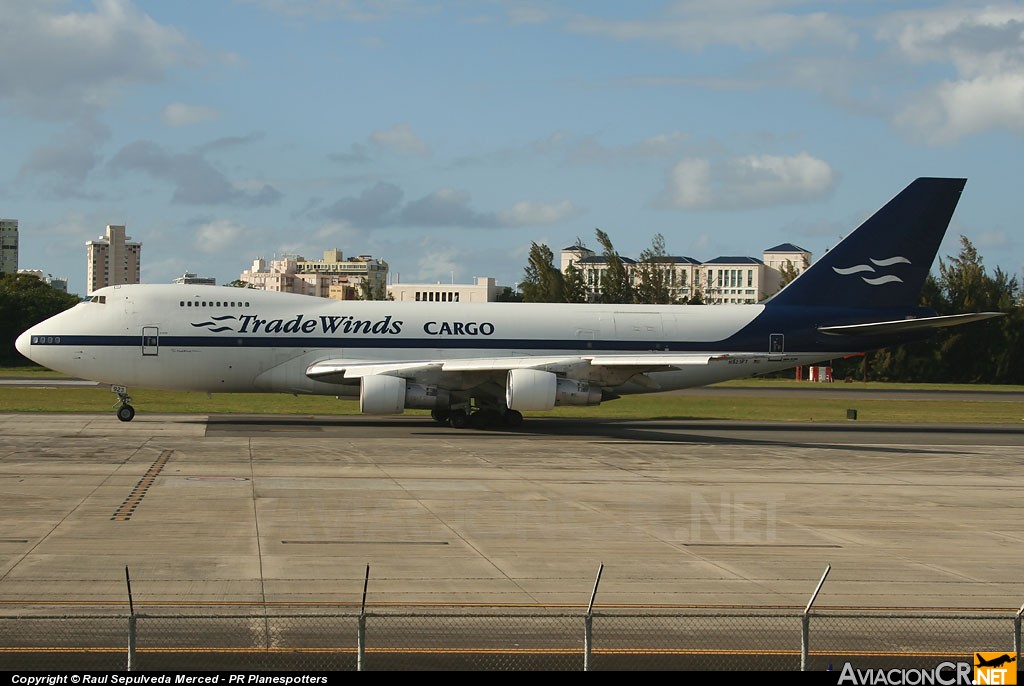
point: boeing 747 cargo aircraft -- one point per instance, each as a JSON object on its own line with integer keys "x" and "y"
{"x": 486, "y": 363}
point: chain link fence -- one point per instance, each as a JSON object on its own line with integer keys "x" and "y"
{"x": 503, "y": 639}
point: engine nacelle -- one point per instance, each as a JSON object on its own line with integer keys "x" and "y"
{"x": 532, "y": 389}
{"x": 381, "y": 394}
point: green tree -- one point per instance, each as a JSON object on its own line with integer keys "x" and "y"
{"x": 789, "y": 272}
{"x": 238, "y": 283}
{"x": 368, "y": 290}
{"x": 542, "y": 282}
{"x": 616, "y": 285}
{"x": 574, "y": 285}
{"x": 983, "y": 352}
{"x": 24, "y": 302}
{"x": 652, "y": 274}
{"x": 509, "y": 295}
{"x": 987, "y": 351}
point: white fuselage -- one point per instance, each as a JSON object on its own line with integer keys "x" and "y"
{"x": 225, "y": 340}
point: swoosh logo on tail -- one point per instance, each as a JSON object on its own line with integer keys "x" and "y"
{"x": 878, "y": 280}
{"x": 845, "y": 271}
{"x": 889, "y": 261}
{"x": 888, "y": 278}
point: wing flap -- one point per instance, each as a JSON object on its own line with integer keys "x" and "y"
{"x": 668, "y": 360}
{"x": 347, "y": 371}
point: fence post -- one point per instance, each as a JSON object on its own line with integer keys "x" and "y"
{"x": 131, "y": 622}
{"x": 805, "y": 632}
{"x": 588, "y": 623}
{"x": 1016, "y": 631}
{"x": 361, "y": 627}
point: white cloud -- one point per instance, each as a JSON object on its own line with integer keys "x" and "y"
{"x": 954, "y": 109}
{"x": 219, "y": 236}
{"x": 69, "y": 157}
{"x": 56, "y": 65}
{"x": 771, "y": 179}
{"x": 976, "y": 40}
{"x": 994, "y": 239}
{"x": 400, "y": 138}
{"x": 350, "y": 10}
{"x": 985, "y": 46}
{"x": 180, "y": 114}
{"x": 746, "y": 182}
{"x": 526, "y": 213}
{"x": 752, "y": 26}
{"x": 524, "y": 14}
{"x": 688, "y": 184}
{"x": 439, "y": 263}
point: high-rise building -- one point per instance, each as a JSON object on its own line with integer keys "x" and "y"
{"x": 112, "y": 260}
{"x": 8, "y": 246}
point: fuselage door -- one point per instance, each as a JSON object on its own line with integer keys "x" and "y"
{"x": 776, "y": 346}
{"x": 150, "y": 340}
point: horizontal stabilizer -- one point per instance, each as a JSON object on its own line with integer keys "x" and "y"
{"x": 907, "y": 325}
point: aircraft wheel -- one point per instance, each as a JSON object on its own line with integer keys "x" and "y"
{"x": 126, "y": 413}
{"x": 440, "y": 416}
{"x": 513, "y": 418}
{"x": 459, "y": 419}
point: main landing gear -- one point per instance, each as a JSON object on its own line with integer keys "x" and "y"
{"x": 125, "y": 412}
{"x": 484, "y": 418}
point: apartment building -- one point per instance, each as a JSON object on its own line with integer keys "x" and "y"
{"x": 332, "y": 277}
{"x": 112, "y": 259}
{"x": 8, "y": 246}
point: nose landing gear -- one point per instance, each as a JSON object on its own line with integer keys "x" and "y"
{"x": 125, "y": 412}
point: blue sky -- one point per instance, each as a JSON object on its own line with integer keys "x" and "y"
{"x": 444, "y": 137}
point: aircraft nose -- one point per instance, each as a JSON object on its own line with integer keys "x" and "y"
{"x": 24, "y": 344}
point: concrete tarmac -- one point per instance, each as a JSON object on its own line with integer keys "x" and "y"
{"x": 291, "y": 509}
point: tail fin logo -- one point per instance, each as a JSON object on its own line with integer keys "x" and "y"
{"x": 877, "y": 280}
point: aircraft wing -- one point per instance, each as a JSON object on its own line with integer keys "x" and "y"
{"x": 906, "y": 325}
{"x": 350, "y": 371}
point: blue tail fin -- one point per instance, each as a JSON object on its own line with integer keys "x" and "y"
{"x": 884, "y": 263}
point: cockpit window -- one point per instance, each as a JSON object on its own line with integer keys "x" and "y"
{"x": 101, "y": 299}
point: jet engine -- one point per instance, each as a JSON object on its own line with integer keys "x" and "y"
{"x": 532, "y": 389}
{"x": 382, "y": 394}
